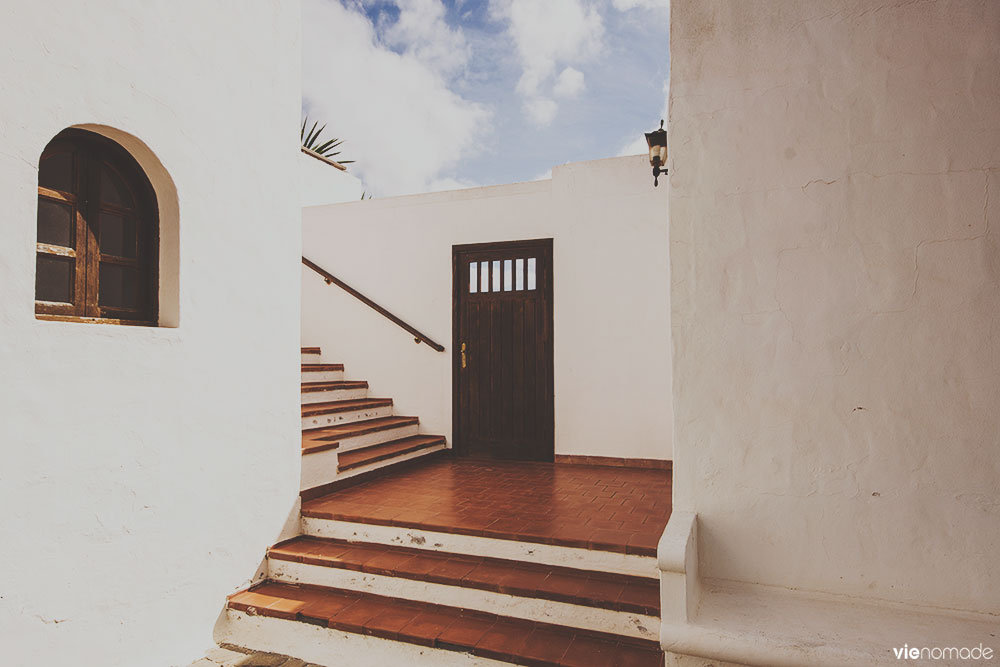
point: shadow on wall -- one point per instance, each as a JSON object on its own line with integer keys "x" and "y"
{"x": 291, "y": 528}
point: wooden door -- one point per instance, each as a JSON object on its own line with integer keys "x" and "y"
{"x": 502, "y": 352}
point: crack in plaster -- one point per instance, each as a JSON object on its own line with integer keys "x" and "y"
{"x": 50, "y": 621}
{"x": 849, "y": 175}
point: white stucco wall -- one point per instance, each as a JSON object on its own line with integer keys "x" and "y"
{"x": 836, "y": 294}
{"x": 611, "y": 309}
{"x": 145, "y": 470}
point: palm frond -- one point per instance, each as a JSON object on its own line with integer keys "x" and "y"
{"x": 311, "y": 140}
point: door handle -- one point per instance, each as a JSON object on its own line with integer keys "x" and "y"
{"x": 463, "y": 355}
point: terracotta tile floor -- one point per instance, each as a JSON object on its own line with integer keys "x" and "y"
{"x": 596, "y": 507}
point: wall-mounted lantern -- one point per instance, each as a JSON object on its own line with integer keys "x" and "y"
{"x": 657, "y": 141}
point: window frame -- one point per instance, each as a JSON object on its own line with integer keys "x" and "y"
{"x": 91, "y": 154}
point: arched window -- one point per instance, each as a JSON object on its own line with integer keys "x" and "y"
{"x": 97, "y": 233}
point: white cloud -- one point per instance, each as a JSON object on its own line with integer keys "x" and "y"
{"x": 637, "y": 145}
{"x": 541, "y": 110}
{"x": 625, "y": 5}
{"x": 395, "y": 112}
{"x": 570, "y": 83}
{"x": 547, "y": 34}
{"x": 421, "y": 31}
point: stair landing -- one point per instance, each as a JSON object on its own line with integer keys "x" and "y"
{"x": 622, "y": 510}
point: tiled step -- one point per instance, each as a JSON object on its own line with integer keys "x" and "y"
{"x": 597, "y": 508}
{"x": 311, "y": 350}
{"x": 358, "y": 434}
{"x": 603, "y": 590}
{"x": 315, "y": 372}
{"x": 441, "y": 627}
{"x": 324, "y": 392}
{"x": 318, "y": 415}
{"x": 310, "y": 355}
{"x": 388, "y": 450}
{"x": 358, "y": 524}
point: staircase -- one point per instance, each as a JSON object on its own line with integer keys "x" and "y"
{"x": 345, "y": 433}
{"x": 372, "y": 582}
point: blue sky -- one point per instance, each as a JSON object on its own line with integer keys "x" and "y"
{"x": 437, "y": 94}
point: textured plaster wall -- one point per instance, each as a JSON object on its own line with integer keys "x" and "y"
{"x": 611, "y": 307}
{"x": 836, "y": 294}
{"x": 143, "y": 471}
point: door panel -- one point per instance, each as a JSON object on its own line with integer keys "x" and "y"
{"x": 503, "y": 363}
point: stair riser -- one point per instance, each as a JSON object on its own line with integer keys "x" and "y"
{"x": 318, "y": 468}
{"x": 311, "y": 359}
{"x": 326, "y": 646}
{"x": 322, "y": 376}
{"x": 533, "y": 609}
{"x": 351, "y": 472}
{"x": 529, "y": 552}
{"x": 319, "y": 421}
{"x": 378, "y": 437}
{"x": 321, "y": 468}
{"x": 309, "y": 397}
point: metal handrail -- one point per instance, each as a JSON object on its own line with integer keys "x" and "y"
{"x": 334, "y": 280}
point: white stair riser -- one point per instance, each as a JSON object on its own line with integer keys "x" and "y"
{"x": 319, "y": 421}
{"x": 333, "y": 395}
{"x": 386, "y": 462}
{"x": 321, "y": 468}
{"x": 534, "y": 609}
{"x": 529, "y": 552}
{"x": 311, "y": 359}
{"x": 319, "y": 645}
{"x": 318, "y": 468}
{"x": 378, "y": 437}
{"x": 322, "y": 376}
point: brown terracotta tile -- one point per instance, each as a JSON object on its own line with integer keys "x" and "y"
{"x": 609, "y": 540}
{"x": 389, "y": 621}
{"x": 388, "y": 562}
{"x": 547, "y": 503}
{"x": 644, "y": 543}
{"x": 601, "y": 592}
{"x": 464, "y": 632}
{"x": 563, "y": 587}
{"x": 425, "y": 628}
{"x": 418, "y": 566}
{"x": 577, "y": 537}
{"x": 544, "y": 646}
{"x": 452, "y": 570}
{"x": 244, "y": 600}
{"x": 523, "y": 581}
{"x": 322, "y": 610}
{"x": 283, "y": 608}
{"x": 356, "y": 557}
{"x": 642, "y": 598}
{"x": 504, "y": 640}
{"x": 589, "y": 652}
{"x": 354, "y": 617}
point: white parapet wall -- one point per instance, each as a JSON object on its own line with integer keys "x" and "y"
{"x": 611, "y": 304}
{"x": 146, "y": 470}
{"x": 835, "y": 214}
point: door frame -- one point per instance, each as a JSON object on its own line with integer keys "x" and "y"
{"x": 544, "y": 245}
